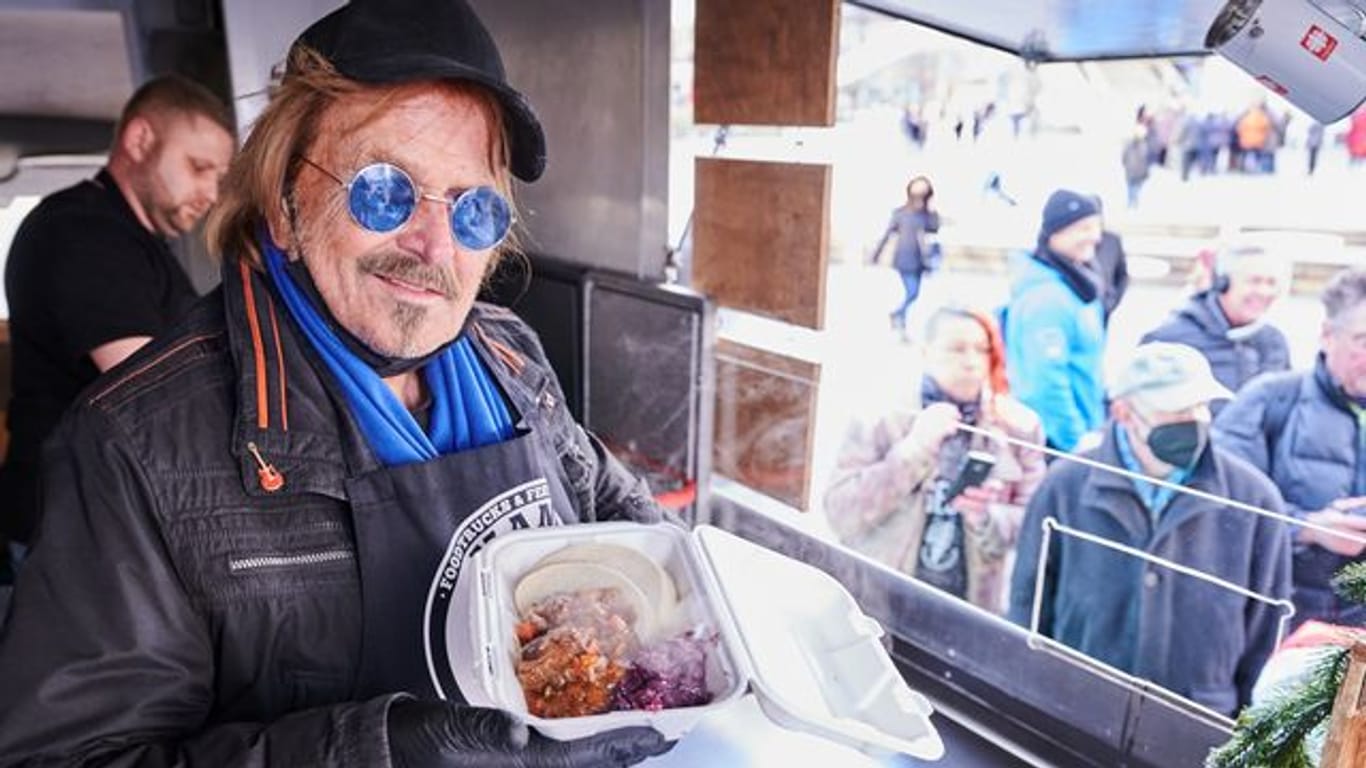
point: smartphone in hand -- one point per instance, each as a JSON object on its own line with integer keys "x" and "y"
{"x": 972, "y": 472}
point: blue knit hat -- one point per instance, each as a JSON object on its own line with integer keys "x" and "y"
{"x": 1064, "y": 208}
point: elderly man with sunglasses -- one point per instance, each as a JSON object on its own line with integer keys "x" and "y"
{"x": 263, "y": 514}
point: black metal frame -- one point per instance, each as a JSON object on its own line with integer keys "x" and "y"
{"x": 564, "y": 321}
{"x": 1036, "y": 56}
{"x": 701, "y": 389}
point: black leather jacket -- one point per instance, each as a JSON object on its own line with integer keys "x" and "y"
{"x": 141, "y": 634}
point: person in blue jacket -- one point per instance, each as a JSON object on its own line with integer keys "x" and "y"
{"x": 1203, "y": 641}
{"x": 1307, "y": 431}
{"x": 1054, "y": 322}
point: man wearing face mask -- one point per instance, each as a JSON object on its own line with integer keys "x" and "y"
{"x": 1307, "y": 431}
{"x": 263, "y": 516}
{"x": 1199, "y": 640}
{"x": 1227, "y": 323}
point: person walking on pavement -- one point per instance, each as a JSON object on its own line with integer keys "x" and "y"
{"x": 912, "y": 224}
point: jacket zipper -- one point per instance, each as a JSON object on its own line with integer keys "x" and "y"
{"x": 283, "y": 561}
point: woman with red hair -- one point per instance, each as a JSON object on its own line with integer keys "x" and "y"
{"x": 887, "y": 497}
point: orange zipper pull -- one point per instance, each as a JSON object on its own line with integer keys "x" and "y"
{"x": 270, "y": 478}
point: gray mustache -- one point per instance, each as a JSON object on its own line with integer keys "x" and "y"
{"x": 410, "y": 270}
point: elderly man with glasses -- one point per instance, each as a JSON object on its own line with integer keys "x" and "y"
{"x": 258, "y": 513}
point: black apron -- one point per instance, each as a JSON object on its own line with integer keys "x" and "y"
{"x": 416, "y": 526}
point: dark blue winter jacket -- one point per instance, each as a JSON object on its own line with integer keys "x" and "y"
{"x": 1236, "y": 355}
{"x": 1199, "y": 640}
{"x": 1300, "y": 431}
{"x": 910, "y": 227}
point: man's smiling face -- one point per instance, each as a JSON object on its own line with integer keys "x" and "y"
{"x": 406, "y": 292}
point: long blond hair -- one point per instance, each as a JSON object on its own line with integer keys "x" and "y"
{"x": 256, "y": 184}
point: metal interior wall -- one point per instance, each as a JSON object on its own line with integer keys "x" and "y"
{"x": 258, "y": 34}
{"x": 600, "y": 85}
{"x": 659, "y": 415}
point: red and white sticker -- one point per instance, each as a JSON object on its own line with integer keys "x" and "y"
{"x": 1271, "y": 84}
{"x": 1319, "y": 42}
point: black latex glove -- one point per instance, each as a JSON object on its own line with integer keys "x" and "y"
{"x": 435, "y": 734}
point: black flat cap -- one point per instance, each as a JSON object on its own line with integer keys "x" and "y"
{"x": 396, "y": 41}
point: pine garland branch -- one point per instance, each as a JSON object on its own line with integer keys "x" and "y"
{"x": 1272, "y": 734}
{"x": 1350, "y": 582}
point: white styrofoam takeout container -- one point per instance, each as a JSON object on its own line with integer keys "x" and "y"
{"x": 787, "y": 631}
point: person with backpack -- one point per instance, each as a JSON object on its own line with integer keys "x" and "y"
{"x": 916, "y": 253}
{"x": 1307, "y": 431}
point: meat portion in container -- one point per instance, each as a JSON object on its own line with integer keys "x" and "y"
{"x": 564, "y": 674}
{"x": 573, "y": 653}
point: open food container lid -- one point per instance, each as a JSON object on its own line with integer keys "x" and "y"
{"x": 816, "y": 660}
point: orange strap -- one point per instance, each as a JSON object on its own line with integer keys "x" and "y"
{"x": 280, "y": 364}
{"x": 262, "y": 403}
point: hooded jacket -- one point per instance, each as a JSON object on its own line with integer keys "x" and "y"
{"x": 1198, "y": 640}
{"x": 1054, "y": 347}
{"x": 135, "y": 638}
{"x": 1235, "y": 357}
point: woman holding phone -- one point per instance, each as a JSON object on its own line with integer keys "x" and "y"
{"x": 936, "y": 502}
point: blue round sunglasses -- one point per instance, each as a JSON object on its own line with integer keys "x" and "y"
{"x": 382, "y": 197}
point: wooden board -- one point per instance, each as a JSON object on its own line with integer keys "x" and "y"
{"x": 765, "y": 420}
{"x": 765, "y": 62}
{"x": 761, "y": 236}
{"x": 1345, "y": 746}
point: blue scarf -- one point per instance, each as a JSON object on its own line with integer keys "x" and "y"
{"x": 467, "y": 409}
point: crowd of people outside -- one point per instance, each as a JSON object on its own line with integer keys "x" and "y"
{"x": 1207, "y": 402}
{"x": 1254, "y": 141}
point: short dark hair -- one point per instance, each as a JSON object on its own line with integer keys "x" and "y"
{"x": 175, "y": 94}
{"x": 1344, "y": 292}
